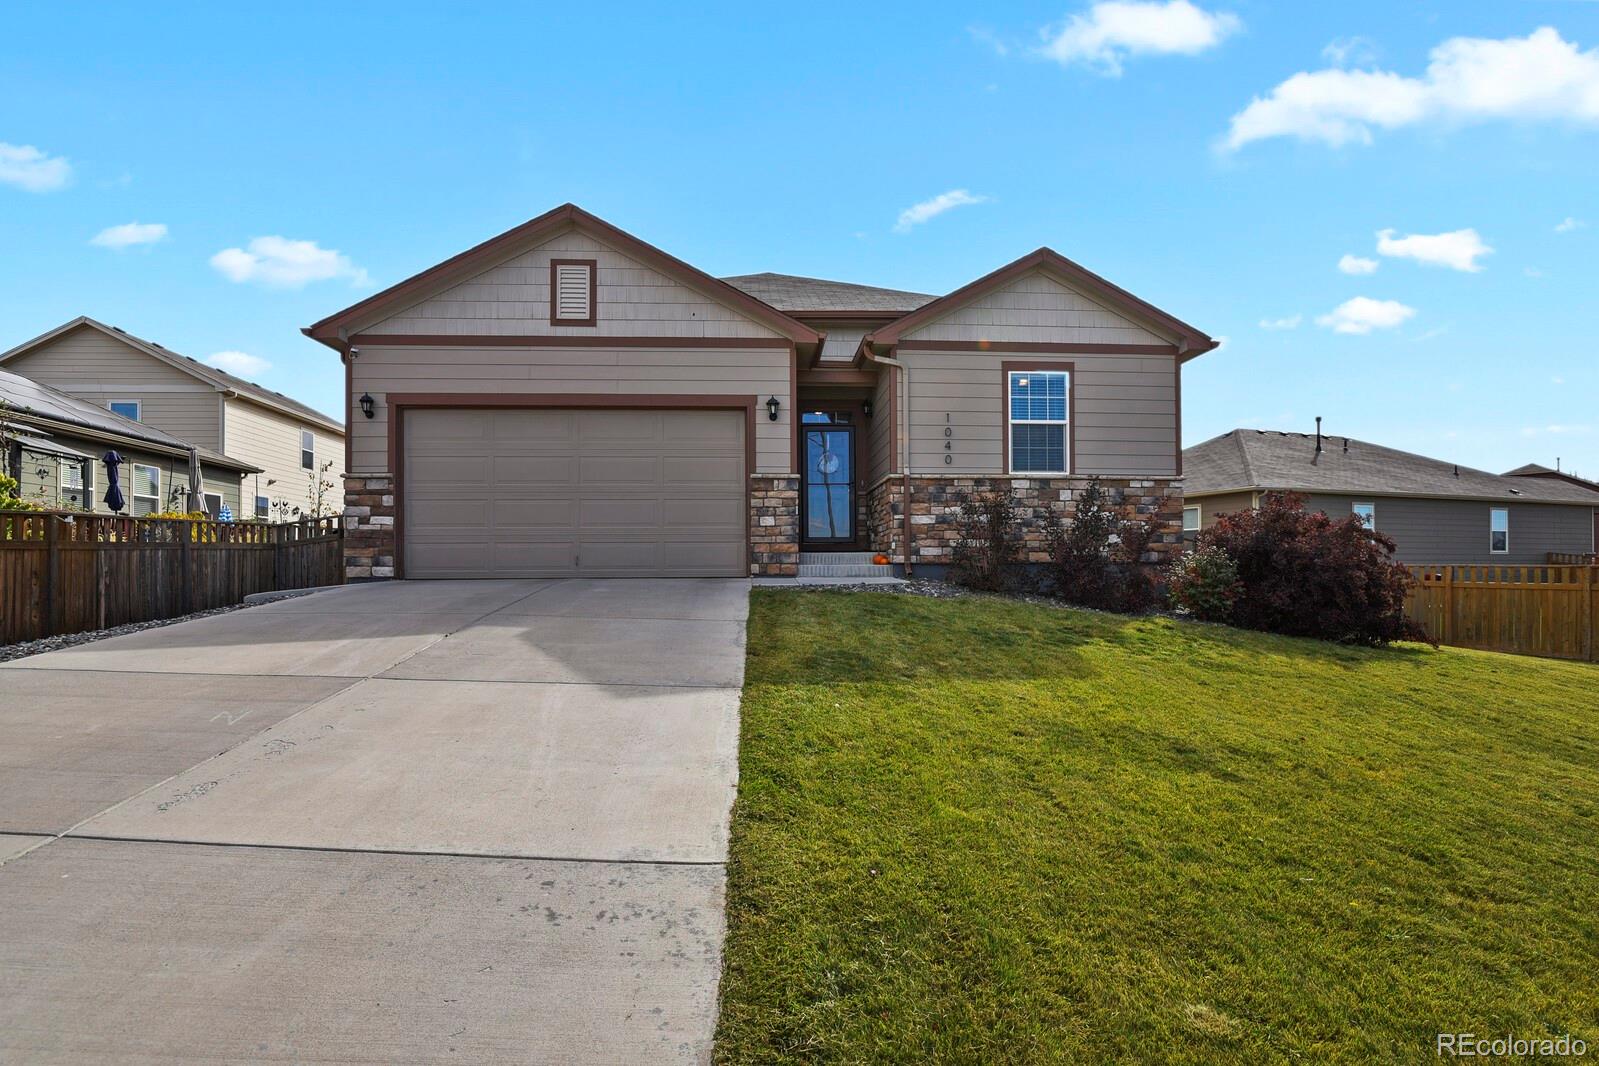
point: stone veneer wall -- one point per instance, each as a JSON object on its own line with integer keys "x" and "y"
{"x": 774, "y": 526}
{"x": 936, "y": 504}
{"x": 368, "y": 528}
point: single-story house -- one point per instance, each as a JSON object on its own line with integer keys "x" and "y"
{"x": 288, "y": 443}
{"x": 53, "y": 442}
{"x": 567, "y": 399}
{"x": 1435, "y": 511}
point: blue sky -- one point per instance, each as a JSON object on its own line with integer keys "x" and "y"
{"x": 387, "y": 137}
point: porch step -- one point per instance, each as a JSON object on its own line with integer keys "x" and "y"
{"x": 841, "y": 565}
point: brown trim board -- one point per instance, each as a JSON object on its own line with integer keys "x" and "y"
{"x": 1024, "y": 365}
{"x": 594, "y": 293}
{"x": 1037, "y": 347}
{"x": 552, "y": 340}
{"x": 401, "y": 402}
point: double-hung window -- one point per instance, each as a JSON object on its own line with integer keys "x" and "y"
{"x": 1038, "y": 412}
{"x": 263, "y": 506}
{"x": 1366, "y": 512}
{"x": 146, "y": 487}
{"x": 1499, "y": 530}
{"x": 307, "y": 449}
{"x": 1191, "y": 519}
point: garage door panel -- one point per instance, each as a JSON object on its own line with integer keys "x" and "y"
{"x": 540, "y": 515}
{"x": 558, "y": 492}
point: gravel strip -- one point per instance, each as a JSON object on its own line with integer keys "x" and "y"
{"x": 69, "y": 640}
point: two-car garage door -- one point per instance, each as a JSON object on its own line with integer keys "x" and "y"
{"x": 561, "y": 492}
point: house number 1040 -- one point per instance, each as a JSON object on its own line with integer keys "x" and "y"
{"x": 949, "y": 432}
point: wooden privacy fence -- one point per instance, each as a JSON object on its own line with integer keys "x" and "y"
{"x": 66, "y": 572}
{"x": 1526, "y": 610}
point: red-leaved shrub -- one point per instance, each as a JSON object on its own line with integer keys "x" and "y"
{"x": 1304, "y": 574}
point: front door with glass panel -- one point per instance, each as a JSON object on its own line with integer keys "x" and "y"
{"x": 828, "y": 452}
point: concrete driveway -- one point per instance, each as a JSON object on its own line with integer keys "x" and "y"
{"x": 407, "y": 822}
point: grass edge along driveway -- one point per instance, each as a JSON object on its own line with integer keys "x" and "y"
{"x": 980, "y": 830}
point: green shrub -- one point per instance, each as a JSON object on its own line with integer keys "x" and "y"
{"x": 1205, "y": 584}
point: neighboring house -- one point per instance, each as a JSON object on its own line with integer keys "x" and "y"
{"x": 1436, "y": 512}
{"x": 52, "y": 443}
{"x": 289, "y": 442}
{"x": 1537, "y": 471}
{"x": 567, "y": 399}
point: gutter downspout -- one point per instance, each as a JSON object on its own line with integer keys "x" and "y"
{"x": 900, "y": 371}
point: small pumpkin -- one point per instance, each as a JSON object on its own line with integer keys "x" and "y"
{"x": 880, "y": 559}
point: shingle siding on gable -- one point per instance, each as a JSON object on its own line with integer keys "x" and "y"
{"x": 514, "y": 299}
{"x": 1456, "y": 531}
{"x": 1036, "y": 308}
{"x": 88, "y": 364}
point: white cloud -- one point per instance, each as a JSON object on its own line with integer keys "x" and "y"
{"x": 1112, "y": 30}
{"x": 1468, "y": 79}
{"x": 1356, "y": 264}
{"x": 1458, "y": 249}
{"x": 945, "y": 201}
{"x": 129, "y": 234}
{"x": 1556, "y": 430}
{"x": 1288, "y": 322}
{"x": 1347, "y": 51}
{"x": 1363, "y": 314}
{"x": 241, "y": 363}
{"x": 1567, "y": 224}
{"x": 29, "y": 169}
{"x": 283, "y": 263}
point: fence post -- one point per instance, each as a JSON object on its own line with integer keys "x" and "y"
{"x": 185, "y": 538}
{"x": 54, "y": 602}
{"x": 1590, "y": 592}
{"x": 1449, "y": 605}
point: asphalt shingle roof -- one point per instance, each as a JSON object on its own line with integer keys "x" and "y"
{"x": 28, "y": 397}
{"x": 1256, "y": 460}
{"x": 787, "y": 292}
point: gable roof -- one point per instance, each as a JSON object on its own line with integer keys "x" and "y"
{"x": 817, "y": 296}
{"x": 34, "y": 401}
{"x": 335, "y": 330}
{"x": 1539, "y": 470}
{"x": 1189, "y": 341}
{"x": 1256, "y": 460}
{"x": 217, "y": 379}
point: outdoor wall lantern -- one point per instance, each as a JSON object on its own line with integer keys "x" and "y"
{"x": 368, "y": 405}
{"x": 772, "y": 405}
{"x": 866, "y": 408}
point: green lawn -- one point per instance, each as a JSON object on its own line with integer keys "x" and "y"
{"x": 985, "y": 831}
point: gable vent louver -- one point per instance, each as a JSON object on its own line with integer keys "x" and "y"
{"x": 572, "y": 293}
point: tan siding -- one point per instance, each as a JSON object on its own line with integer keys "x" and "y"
{"x": 1213, "y": 507}
{"x": 41, "y": 479}
{"x": 1125, "y": 408}
{"x": 88, "y": 364}
{"x": 270, "y": 440}
{"x": 761, "y": 372}
{"x": 879, "y": 443}
{"x": 514, "y": 298}
{"x": 1035, "y": 309}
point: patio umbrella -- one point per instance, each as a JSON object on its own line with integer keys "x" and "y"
{"x": 196, "y": 483}
{"x": 113, "y": 490}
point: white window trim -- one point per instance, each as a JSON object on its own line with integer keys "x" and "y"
{"x": 1064, "y": 424}
{"x": 63, "y": 464}
{"x": 208, "y": 497}
{"x": 263, "y": 506}
{"x": 138, "y": 408}
{"x": 135, "y": 496}
{"x": 1199, "y": 517}
{"x": 1491, "y": 531}
{"x": 1372, "y": 525}
{"x": 304, "y": 451}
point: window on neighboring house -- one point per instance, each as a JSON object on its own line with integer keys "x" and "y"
{"x": 125, "y": 408}
{"x": 146, "y": 486}
{"x": 263, "y": 507}
{"x": 213, "y": 503}
{"x": 1191, "y": 519}
{"x": 1038, "y": 409}
{"x": 1499, "y": 530}
{"x": 307, "y": 449}
{"x": 572, "y": 294}
{"x": 1366, "y": 512}
{"x": 73, "y": 490}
